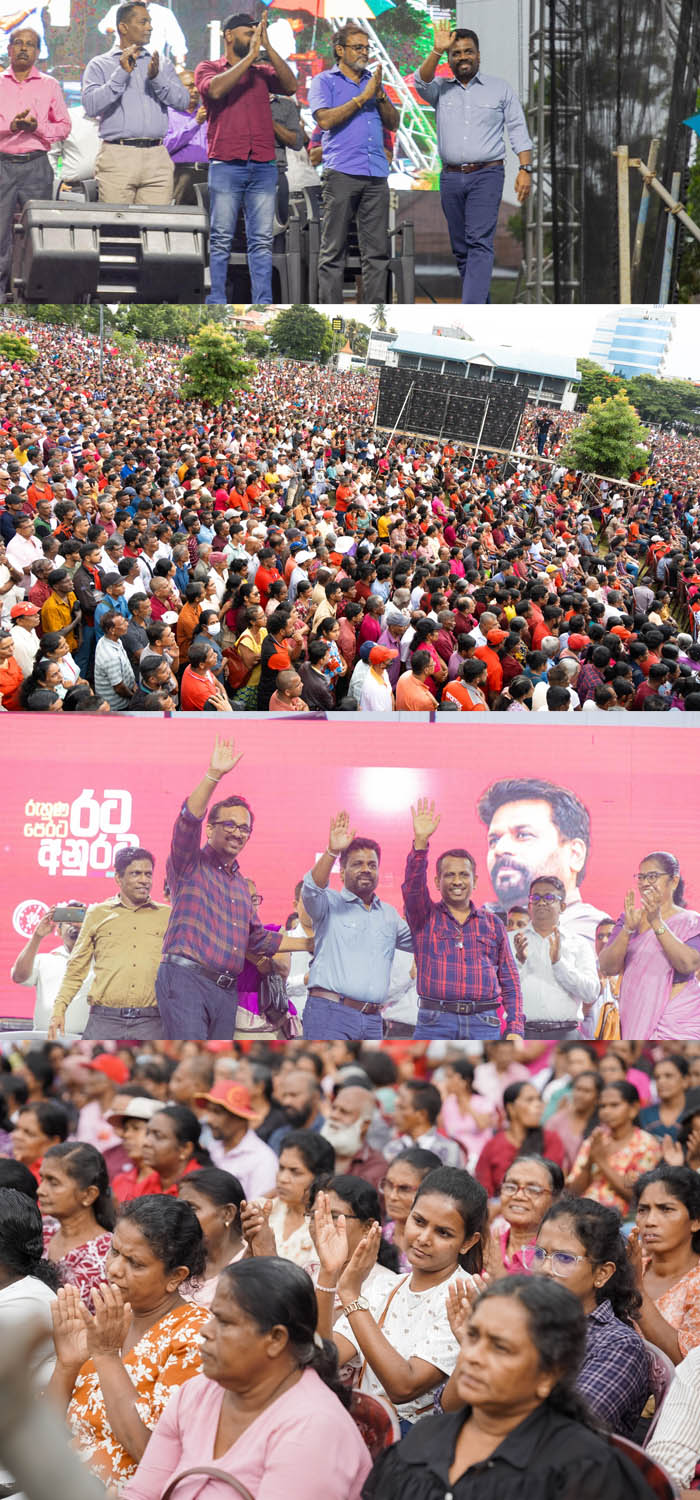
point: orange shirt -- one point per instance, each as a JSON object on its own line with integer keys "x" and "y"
{"x": 413, "y": 695}
{"x": 195, "y": 690}
{"x": 494, "y": 669}
{"x": 458, "y": 692}
{"x": 11, "y": 680}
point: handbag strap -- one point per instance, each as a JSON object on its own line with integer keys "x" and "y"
{"x": 214, "y": 1473}
{"x": 382, "y": 1318}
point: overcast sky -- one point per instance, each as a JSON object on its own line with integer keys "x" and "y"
{"x": 551, "y": 328}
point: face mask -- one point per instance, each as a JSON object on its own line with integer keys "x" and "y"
{"x": 215, "y": 628}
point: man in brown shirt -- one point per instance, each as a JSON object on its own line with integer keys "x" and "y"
{"x": 122, "y": 938}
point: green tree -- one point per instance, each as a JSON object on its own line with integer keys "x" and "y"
{"x": 16, "y": 347}
{"x": 610, "y": 440}
{"x": 379, "y": 317}
{"x": 595, "y": 381}
{"x": 301, "y": 332}
{"x": 173, "y": 323}
{"x": 357, "y": 335}
{"x": 689, "y": 266}
{"x": 256, "y": 344}
{"x": 216, "y": 366}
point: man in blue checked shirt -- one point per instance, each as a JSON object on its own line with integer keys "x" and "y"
{"x": 465, "y": 967}
{"x": 355, "y": 938}
{"x": 473, "y": 109}
{"x": 129, "y": 90}
{"x": 349, "y": 104}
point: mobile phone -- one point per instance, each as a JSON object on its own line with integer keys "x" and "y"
{"x": 74, "y": 913}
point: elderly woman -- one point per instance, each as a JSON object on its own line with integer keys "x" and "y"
{"x": 656, "y": 946}
{"x": 116, "y": 1370}
{"x": 267, "y": 1411}
{"x": 521, "y": 1432}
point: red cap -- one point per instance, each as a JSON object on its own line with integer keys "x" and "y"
{"x": 231, "y": 1096}
{"x": 577, "y": 642}
{"x": 20, "y": 611}
{"x": 622, "y": 631}
{"x": 497, "y": 637}
{"x": 379, "y": 655}
{"x": 111, "y": 1066}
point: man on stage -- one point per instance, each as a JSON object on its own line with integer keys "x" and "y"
{"x": 213, "y": 923}
{"x": 473, "y": 109}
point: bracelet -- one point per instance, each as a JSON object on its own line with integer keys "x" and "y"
{"x": 333, "y": 853}
{"x": 215, "y": 779}
{"x": 331, "y": 1289}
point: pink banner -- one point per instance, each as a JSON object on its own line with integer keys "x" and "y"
{"x": 75, "y": 789}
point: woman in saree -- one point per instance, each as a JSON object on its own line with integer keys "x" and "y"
{"x": 656, "y": 946}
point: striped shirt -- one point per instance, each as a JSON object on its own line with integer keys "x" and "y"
{"x": 213, "y": 919}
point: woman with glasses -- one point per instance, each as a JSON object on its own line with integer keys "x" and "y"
{"x": 665, "y": 1252}
{"x": 528, "y": 1190}
{"x": 356, "y": 1203}
{"x": 616, "y": 1152}
{"x": 403, "y": 1179}
{"x": 656, "y": 947}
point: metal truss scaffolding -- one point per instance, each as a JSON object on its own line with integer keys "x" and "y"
{"x": 555, "y": 111}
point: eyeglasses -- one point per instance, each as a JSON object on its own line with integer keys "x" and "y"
{"x": 563, "y": 1264}
{"x": 549, "y": 898}
{"x": 257, "y": 900}
{"x": 231, "y": 827}
{"x": 336, "y": 1215}
{"x": 401, "y": 1190}
{"x": 651, "y": 878}
{"x": 352, "y": 47}
{"x": 509, "y": 1189}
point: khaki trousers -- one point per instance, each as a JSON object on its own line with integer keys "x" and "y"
{"x": 134, "y": 174}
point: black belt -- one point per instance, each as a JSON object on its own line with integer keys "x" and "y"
{"x": 472, "y": 166}
{"x": 134, "y": 141}
{"x": 544, "y": 1026}
{"x": 225, "y": 981}
{"x": 124, "y": 1010}
{"x": 366, "y": 1007}
{"x": 22, "y": 155}
{"x": 460, "y": 1007}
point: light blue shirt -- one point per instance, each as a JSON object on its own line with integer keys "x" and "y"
{"x": 354, "y": 947}
{"x": 472, "y": 118}
{"x": 131, "y": 105}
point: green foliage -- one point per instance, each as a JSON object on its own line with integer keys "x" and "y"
{"x": 174, "y": 323}
{"x": 595, "y": 381}
{"x": 216, "y": 366}
{"x": 256, "y": 344}
{"x": 689, "y": 269}
{"x": 301, "y": 332}
{"x": 610, "y": 439}
{"x": 16, "y": 347}
{"x": 357, "y": 335}
{"x": 655, "y": 400}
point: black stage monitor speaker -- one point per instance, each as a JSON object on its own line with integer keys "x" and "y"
{"x": 449, "y": 406}
{"x": 75, "y": 252}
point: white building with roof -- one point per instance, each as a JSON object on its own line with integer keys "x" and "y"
{"x": 550, "y": 379}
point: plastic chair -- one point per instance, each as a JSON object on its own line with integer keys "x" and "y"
{"x": 658, "y": 1480}
{"x": 376, "y": 1421}
{"x": 286, "y": 251}
{"x": 661, "y": 1372}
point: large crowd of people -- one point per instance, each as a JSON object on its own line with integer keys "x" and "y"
{"x": 280, "y": 554}
{"x": 349, "y": 1270}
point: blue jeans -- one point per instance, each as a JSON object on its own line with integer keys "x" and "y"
{"x": 470, "y": 205}
{"x": 84, "y": 657}
{"x": 253, "y": 184}
{"x": 192, "y": 1007}
{"x": 329, "y": 1021}
{"x": 445, "y": 1025}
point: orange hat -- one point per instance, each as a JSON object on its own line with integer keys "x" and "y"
{"x": 379, "y": 655}
{"x": 111, "y": 1066}
{"x": 231, "y": 1096}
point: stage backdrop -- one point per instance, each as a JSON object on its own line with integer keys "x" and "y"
{"x": 74, "y": 790}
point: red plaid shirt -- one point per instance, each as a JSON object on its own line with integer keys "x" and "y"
{"x": 213, "y": 919}
{"x": 455, "y": 961}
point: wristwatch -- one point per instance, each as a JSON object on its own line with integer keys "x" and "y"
{"x": 660, "y": 930}
{"x": 527, "y": 169}
{"x": 359, "y": 1305}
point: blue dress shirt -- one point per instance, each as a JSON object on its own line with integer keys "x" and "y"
{"x": 131, "y": 105}
{"x": 472, "y": 118}
{"x": 354, "y": 947}
{"x": 357, "y": 147}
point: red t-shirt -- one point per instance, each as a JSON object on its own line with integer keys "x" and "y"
{"x": 239, "y": 126}
{"x": 195, "y": 691}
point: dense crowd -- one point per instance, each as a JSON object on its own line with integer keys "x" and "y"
{"x": 280, "y": 554}
{"x": 348, "y": 1271}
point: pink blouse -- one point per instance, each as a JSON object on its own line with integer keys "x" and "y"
{"x": 84, "y": 1265}
{"x": 304, "y": 1446}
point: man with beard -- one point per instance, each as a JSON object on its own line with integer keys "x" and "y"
{"x": 472, "y": 110}
{"x": 213, "y": 922}
{"x": 299, "y": 1097}
{"x": 235, "y": 92}
{"x": 235, "y": 1147}
{"x": 355, "y": 938}
{"x": 349, "y": 1119}
{"x": 537, "y": 828}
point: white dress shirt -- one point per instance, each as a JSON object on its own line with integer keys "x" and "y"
{"x": 553, "y": 992}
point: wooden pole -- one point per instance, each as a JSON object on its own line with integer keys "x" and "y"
{"x": 623, "y": 223}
